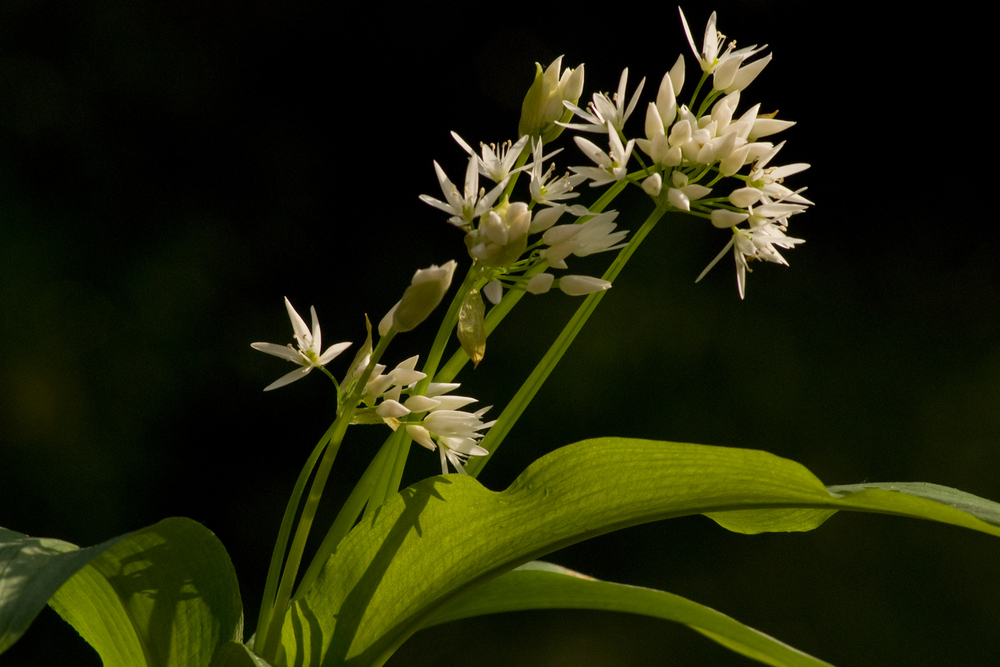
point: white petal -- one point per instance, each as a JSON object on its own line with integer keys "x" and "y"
{"x": 453, "y": 402}
{"x": 298, "y": 324}
{"x": 539, "y": 283}
{"x": 421, "y": 436}
{"x": 332, "y": 352}
{"x": 282, "y": 351}
{"x": 744, "y": 197}
{"x": 438, "y": 388}
{"x": 297, "y": 374}
{"x": 493, "y": 291}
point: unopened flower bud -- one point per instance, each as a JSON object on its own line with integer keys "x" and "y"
{"x": 539, "y": 283}
{"x": 744, "y": 197}
{"x": 543, "y": 104}
{"x": 581, "y": 285}
{"x": 422, "y": 296}
{"x": 546, "y": 218}
{"x": 723, "y": 219}
{"x": 651, "y": 186}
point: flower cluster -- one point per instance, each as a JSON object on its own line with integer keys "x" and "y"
{"x": 707, "y": 156}
{"x": 694, "y": 150}
{"x": 447, "y": 428}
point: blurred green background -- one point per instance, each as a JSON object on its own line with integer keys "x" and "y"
{"x": 170, "y": 171}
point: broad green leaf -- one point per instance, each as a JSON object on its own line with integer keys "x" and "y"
{"x": 539, "y": 585}
{"x": 31, "y": 570}
{"x": 447, "y": 535}
{"x": 235, "y": 654}
{"x": 162, "y": 596}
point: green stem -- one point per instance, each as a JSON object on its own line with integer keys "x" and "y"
{"x": 281, "y": 544}
{"x": 335, "y": 436}
{"x": 527, "y": 392}
{"x": 344, "y": 521}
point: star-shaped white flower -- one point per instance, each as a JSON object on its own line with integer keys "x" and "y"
{"x": 612, "y": 166}
{"x": 604, "y": 110}
{"x": 758, "y": 242}
{"x": 497, "y": 161}
{"x": 726, "y": 66}
{"x": 548, "y": 189}
{"x": 308, "y": 353}
{"x": 464, "y": 207}
{"x": 595, "y": 235}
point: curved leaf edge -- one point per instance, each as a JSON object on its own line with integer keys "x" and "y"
{"x": 32, "y": 569}
{"x": 164, "y": 595}
{"x": 543, "y": 585}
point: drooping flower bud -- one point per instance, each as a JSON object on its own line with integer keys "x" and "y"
{"x": 422, "y": 296}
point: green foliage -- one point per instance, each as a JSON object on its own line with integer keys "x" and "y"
{"x": 445, "y": 536}
{"x": 540, "y": 585}
{"x": 235, "y": 654}
{"x": 31, "y": 570}
{"x": 163, "y": 596}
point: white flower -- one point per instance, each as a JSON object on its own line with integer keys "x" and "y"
{"x": 606, "y": 111}
{"x": 725, "y": 66}
{"x": 595, "y": 235}
{"x": 308, "y": 353}
{"x": 464, "y": 208}
{"x": 540, "y": 283}
{"x": 501, "y": 236}
{"x": 548, "y": 190}
{"x": 571, "y": 285}
{"x": 682, "y": 194}
{"x": 392, "y": 384}
{"x": 612, "y": 166}
{"x": 497, "y": 161}
{"x": 758, "y": 242}
{"x": 457, "y": 433}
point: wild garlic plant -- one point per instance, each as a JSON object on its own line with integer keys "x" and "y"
{"x": 394, "y": 561}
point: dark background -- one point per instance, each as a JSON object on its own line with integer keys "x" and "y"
{"x": 170, "y": 171}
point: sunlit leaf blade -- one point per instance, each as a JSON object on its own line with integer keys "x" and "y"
{"x": 540, "y": 585}
{"x": 235, "y": 654}
{"x": 446, "y": 535}
{"x": 163, "y": 596}
{"x": 31, "y": 570}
